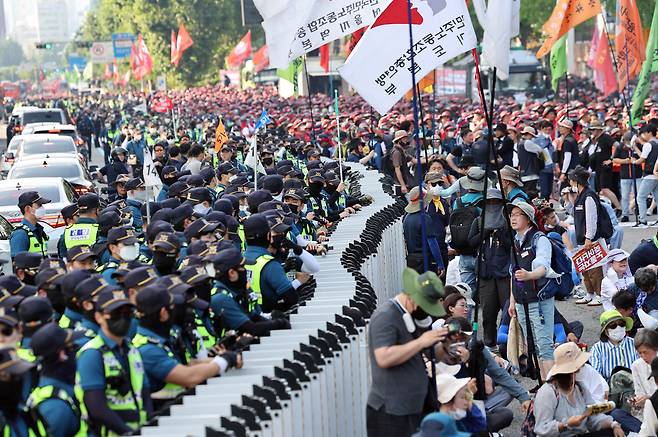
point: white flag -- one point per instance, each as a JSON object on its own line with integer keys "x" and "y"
{"x": 141, "y": 108}
{"x": 150, "y": 174}
{"x": 293, "y": 28}
{"x": 379, "y": 68}
{"x": 500, "y": 21}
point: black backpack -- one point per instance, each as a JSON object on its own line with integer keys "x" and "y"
{"x": 460, "y": 223}
{"x": 604, "y": 229}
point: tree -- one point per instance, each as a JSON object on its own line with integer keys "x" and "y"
{"x": 11, "y": 53}
{"x": 215, "y": 27}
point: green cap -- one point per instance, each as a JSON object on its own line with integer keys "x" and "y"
{"x": 425, "y": 290}
{"x": 613, "y": 315}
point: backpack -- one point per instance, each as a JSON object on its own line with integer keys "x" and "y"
{"x": 460, "y": 223}
{"x": 528, "y": 425}
{"x": 561, "y": 264}
{"x": 605, "y": 229}
{"x": 621, "y": 388}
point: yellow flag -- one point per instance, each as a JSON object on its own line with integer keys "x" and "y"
{"x": 220, "y": 136}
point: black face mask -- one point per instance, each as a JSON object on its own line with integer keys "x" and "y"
{"x": 315, "y": 187}
{"x": 61, "y": 370}
{"x": 277, "y": 241}
{"x": 163, "y": 329}
{"x": 293, "y": 208}
{"x": 331, "y": 188}
{"x": 10, "y": 395}
{"x": 203, "y": 290}
{"x": 267, "y": 161}
{"x": 164, "y": 262}
{"x": 241, "y": 283}
{"x": 120, "y": 325}
{"x": 419, "y": 314}
{"x": 29, "y": 279}
{"x": 56, "y": 298}
{"x": 170, "y": 181}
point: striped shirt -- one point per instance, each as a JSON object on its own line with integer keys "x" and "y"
{"x": 605, "y": 356}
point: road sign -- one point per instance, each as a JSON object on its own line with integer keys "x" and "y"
{"x": 122, "y": 42}
{"x": 161, "y": 83}
{"x": 101, "y": 52}
{"x": 77, "y": 61}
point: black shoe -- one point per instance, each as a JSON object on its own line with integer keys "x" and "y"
{"x": 624, "y": 219}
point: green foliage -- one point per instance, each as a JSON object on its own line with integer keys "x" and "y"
{"x": 214, "y": 25}
{"x": 11, "y": 53}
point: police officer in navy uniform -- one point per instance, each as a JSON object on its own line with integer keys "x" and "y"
{"x": 33, "y": 313}
{"x": 110, "y": 381}
{"x": 73, "y": 310}
{"x": 26, "y": 266}
{"x": 167, "y": 376}
{"x": 85, "y": 294}
{"x": 85, "y": 229}
{"x": 52, "y": 405}
{"x": 14, "y": 372}
{"x": 29, "y": 235}
{"x": 81, "y": 258}
{"x": 232, "y": 297}
{"x": 123, "y": 246}
{"x": 70, "y": 216}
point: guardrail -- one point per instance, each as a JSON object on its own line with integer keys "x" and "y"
{"x": 313, "y": 379}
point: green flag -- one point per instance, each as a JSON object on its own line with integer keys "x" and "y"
{"x": 88, "y": 72}
{"x": 558, "y": 61}
{"x": 650, "y": 65}
{"x": 291, "y": 74}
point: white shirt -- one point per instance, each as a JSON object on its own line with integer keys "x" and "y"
{"x": 611, "y": 284}
{"x": 643, "y": 384}
{"x": 646, "y": 149}
{"x": 594, "y": 382}
{"x": 649, "y": 421}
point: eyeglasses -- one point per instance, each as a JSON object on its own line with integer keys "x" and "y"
{"x": 517, "y": 214}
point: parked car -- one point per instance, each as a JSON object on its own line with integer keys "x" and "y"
{"x": 43, "y": 166}
{"x": 66, "y": 130}
{"x": 56, "y": 189}
{"x": 5, "y": 259}
{"x": 27, "y": 115}
{"x": 47, "y": 145}
{"x": 9, "y": 156}
{"x": 13, "y": 125}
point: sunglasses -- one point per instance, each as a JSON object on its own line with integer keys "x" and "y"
{"x": 617, "y": 324}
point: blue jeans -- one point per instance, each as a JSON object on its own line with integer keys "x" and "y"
{"x": 647, "y": 187}
{"x": 617, "y": 237}
{"x": 541, "y": 323}
{"x": 467, "y": 264}
{"x": 627, "y": 421}
{"x": 627, "y": 193}
{"x": 545, "y": 184}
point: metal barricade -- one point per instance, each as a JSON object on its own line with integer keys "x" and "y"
{"x": 313, "y": 379}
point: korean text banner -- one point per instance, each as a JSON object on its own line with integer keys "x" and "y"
{"x": 379, "y": 68}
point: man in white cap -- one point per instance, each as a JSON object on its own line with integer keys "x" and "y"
{"x": 569, "y": 153}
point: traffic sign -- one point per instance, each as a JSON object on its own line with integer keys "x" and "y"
{"x": 78, "y": 61}
{"x": 122, "y": 42}
{"x": 101, "y": 52}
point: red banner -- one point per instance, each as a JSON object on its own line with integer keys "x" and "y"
{"x": 162, "y": 105}
{"x": 586, "y": 259}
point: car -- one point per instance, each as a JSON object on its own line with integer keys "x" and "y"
{"x": 42, "y": 166}
{"x": 57, "y": 189}
{"x": 35, "y": 115}
{"x": 47, "y": 145}
{"x": 9, "y": 156}
{"x": 66, "y": 130}
{"x": 13, "y": 127}
{"x": 5, "y": 253}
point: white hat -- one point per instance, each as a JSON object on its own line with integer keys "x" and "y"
{"x": 465, "y": 290}
{"x": 447, "y": 386}
{"x": 617, "y": 255}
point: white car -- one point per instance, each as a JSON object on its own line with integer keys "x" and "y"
{"x": 46, "y": 145}
{"x": 66, "y": 167}
{"x": 65, "y": 130}
{"x": 5, "y": 259}
{"x": 9, "y": 157}
{"x": 58, "y": 190}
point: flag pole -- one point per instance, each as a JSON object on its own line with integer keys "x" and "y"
{"x": 434, "y": 115}
{"x": 310, "y": 102}
{"x": 254, "y": 146}
{"x": 419, "y": 166}
{"x": 422, "y": 118}
{"x": 340, "y": 147}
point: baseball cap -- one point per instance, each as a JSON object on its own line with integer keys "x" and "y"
{"x": 91, "y": 287}
{"x": 69, "y": 211}
{"x": 34, "y": 311}
{"x": 256, "y": 226}
{"x": 134, "y": 184}
{"x": 153, "y": 298}
{"x": 425, "y": 290}
{"x": 110, "y": 300}
{"x": 27, "y": 260}
{"x": 88, "y": 201}
{"x": 50, "y": 339}
{"x": 30, "y": 197}
{"x": 140, "y": 277}
{"x": 198, "y": 228}
{"x": 167, "y": 242}
{"x": 80, "y": 253}
{"x": 124, "y": 235}
{"x": 11, "y": 364}
{"x": 226, "y": 260}
{"x": 14, "y": 286}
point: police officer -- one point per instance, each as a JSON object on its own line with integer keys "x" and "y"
{"x": 166, "y": 248}
{"x": 26, "y": 266}
{"x": 136, "y": 197}
{"x": 14, "y": 372}
{"x": 29, "y": 235}
{"x": 110, "y": 381}
{"x": 85, "y": 294}
{"x": 169, "y": 177}
{"x": 224, "y": 172}
{"x": 106, "y": 221}
{"x": 70, "y": 216}
{"x": 266, "y": 275}
{"x": 167, "y": 376}
{"x": 73, "y": 311}
{"x": 201, "y": 200}
{"x": 232, "y": 297}
{"x": 85, "y": 230}
{"x": 81, "y": 258}
{"x": 33, "y": 313}
{"x": 52, "y": 405}
{"x": 123, "y": 246}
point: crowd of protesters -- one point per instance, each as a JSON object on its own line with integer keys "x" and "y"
{"x": 125, "y": 317}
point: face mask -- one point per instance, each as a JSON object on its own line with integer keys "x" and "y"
{"x": 56, "y": 297}
{"x": 617, "y": 334}
{"x": 40, "y": 212}
{"x": 203, "y": 290}
{"x": 129, "y": 253}
{"x": 244, "y": 209}
{"x": 201, "y": 209}
{"x": 457, "y": 414}
{"x": 210, "y": 270}
{"x": 315, "y": 187}
{"x": 11, "y": 394}
{"x": 62, "y": 370}
{"x": 277, "y": 241}
{"x": 139, "y": 196}
{"x": 450, "y": 134}
{"x": 164, "y": 262}
{"x": 293, "y": 208}
{"x": 241, "y": 283}
{"x": 267, "y": 161}
{"x": 119, "y": 326}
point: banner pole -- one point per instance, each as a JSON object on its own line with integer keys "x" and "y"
{"x": 340, "y": 147}
{"x": 422, "y": 122}
{"x": 254, "y": 146}
{"x": 310, "y": 102}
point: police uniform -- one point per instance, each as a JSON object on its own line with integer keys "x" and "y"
{"x": 123, "y": 235}
{"x": 135, "y": 206}
{"x": 28, "y": 237}
{"x": 85, "y": 231}
{"x": 12, "y": 366}
{"x": 87, "y": 291}
{"x": 121, "y": 372}
{"x": 33, "y": 313}
{"x": 68, "y": 212}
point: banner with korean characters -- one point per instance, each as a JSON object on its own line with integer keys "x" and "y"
{"x": 586, "y": 259}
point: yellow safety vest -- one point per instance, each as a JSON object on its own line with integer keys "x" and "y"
{"x": 243, "y": 238}
{"x": 36, "y": 246}
{"x": 169, "y": 391}
{"x": 42, "y": 394}
{"x": 80, "y": 234}
{"x": 254, "y": 273}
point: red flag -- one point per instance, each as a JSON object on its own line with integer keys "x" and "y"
{"x": 604, "y": 65}
{"x": 240, "y": 52}
{"x": 174, "y": 48}
{"x": 184, "y": 40}
{"x": 629, "y": 44}
{"x": 324, "y": 57}
{"x": 125, "y": 79}
{"x": 108, "y": 73}
{"x": 261, "y": 59}
{"x": 163, "y": 105}
{"x": 354, "y": 40}
{"x": 141, "y": 62}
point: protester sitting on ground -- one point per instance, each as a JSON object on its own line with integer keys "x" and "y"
{"x": 456, "y": 400}
{"x": 439, "y": 425}
{"x": 646, "y": 298}
{"x": 455, "y": 305}
{"x": 646, "y": 344}
{"x": 617, "y": 277}
{"x": 615, "y": 348}
{"x": 561, "y": 403}
{"x": 649, "y": 418}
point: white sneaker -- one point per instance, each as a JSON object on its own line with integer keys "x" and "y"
{"x": 587, "y": 299}
{"x": 578, "y": 292}
{"x": 595, "y": 302}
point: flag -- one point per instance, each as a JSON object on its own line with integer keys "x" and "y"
{"x": 182, "y": 42}
{"x": 604, "y": 66}
{"x": 88, "y": 72}
{"x": 497, "y": 21}
{"x": 650, "y": 65}
{"x": 240, "y": 52}
{"x": 115, "y": 71}
{"x": 379, "y": 67}
{"x": 141, "y": 108}
{"x": 141, "y": 62}
{"x": 629, "y": 44}
{"x": 423, "y": 84}
{"x": 162, "y": 105}
{"x": 291, "y": 74}
{"x": 125, "y": 79}
{"x": 591, "y": 59}
{"x": 263, "y": 120}
{"x": 221, "y": 137}
{"x": 293, "y": 28}
{"x": 107, "y": 75}
{"x": 174, "y": 48}
{"x": 566, "y": 15}
{"x": 150, "y": 174}
{"x": 354, "y": 40}
{"x": 261, "y": 59}
{"x": 324, "y": 57}
{"x": 558, "y": 61}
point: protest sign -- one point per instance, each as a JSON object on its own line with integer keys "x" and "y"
{"x": 586, "y": 259}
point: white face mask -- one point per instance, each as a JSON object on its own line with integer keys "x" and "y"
{"x": 244, "y": 208}
{"x": 139, "y": 196}
{"x": 129, "y": 253}
{"x": 617, "y": 334}
{"x": 201, "y": 209}
{"x": 210, "y": 270}
{"x": 40, "y": 212}
{"x": 423, "y": 323}
{"x": 457, "y": 414}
